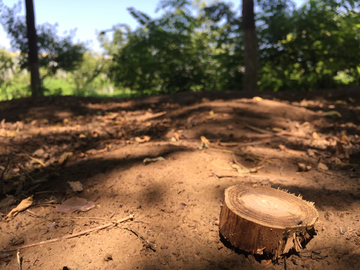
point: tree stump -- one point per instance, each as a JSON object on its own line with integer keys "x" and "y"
{"x": 260, "y": 220}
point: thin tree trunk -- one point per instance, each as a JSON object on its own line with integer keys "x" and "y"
{"x": 250, "y": 46}
{"x": 33, "y": 50}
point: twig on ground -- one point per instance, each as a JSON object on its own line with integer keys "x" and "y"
{"x": 260, "y": 130}
{"x": 71, "y": 235}
{"x": 81, "y": 218}
{"x": 49, "y": 191}
{"x": 262, "y": 161}
{"x": 147, "y": 243}
{"x": 33, "y": 214}
{"x": 222, "y": 176}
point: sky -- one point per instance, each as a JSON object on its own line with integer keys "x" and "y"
{"x": 88, "y": 16}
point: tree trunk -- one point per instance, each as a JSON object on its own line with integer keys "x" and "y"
{"x": 263, "y": 220}
{"x": 250, "y": 46}
{"x": 33, "y": 58}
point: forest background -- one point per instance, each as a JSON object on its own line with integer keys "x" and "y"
{"x": 192, "y": 46}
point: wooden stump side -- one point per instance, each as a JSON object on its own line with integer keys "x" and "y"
{"x": 263, "y": 219}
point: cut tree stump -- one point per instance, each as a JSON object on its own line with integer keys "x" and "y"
{"x": 260, "y": 220}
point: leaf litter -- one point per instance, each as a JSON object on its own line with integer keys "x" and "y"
{"x": 75, "y": 204}
{"x": 100, "y": 142}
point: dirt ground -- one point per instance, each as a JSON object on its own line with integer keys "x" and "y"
{"x": 45, "y": 143}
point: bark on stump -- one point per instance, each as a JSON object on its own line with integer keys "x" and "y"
{"x": 261, "y": 220}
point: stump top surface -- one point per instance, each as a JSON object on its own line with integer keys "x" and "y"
{"x": 270, "y": 207}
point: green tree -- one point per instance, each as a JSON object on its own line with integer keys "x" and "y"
{"x": 85, "y": 77}
{"x": 55, "y": 52}
{"x": 309, "y": 47}
{"x": 162, "y": 55}
{"x": 7, "y": 66}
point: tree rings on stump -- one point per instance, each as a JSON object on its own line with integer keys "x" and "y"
{"x": 260, "y": 219}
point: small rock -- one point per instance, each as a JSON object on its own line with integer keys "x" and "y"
{"x": 181, "y": 206}
{"x": 342, "y": 230}
{"x": 164, "y": 247}
{"x": 322, "y": 166}
{"x": 303, "y": 168}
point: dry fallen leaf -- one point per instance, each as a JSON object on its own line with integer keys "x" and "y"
{"x": 116, "y": 122}
{"x": 204, "y": 140}
{"x": 275, "y": 129}
{"x": 64, "y": 157}
{"x": 322, "y": 166}
{"x": 39, "y": 152}
{"x": 111, "y": 116}
{"x": 257, "y": 98}
{"x": 76, "y": 186}
{"x": 316, "y": 136}
{"x": 344, "y": 138}
{"x": 142, "y": 139}
{"x": 22, "y": 206}
{"x": 75, "y": 204}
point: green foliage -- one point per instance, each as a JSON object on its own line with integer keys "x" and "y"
{"x": 55, "y": 52}
{"x": 193, "y": 46}
{"x": 13, "y": 82}
{"x": 299, "y": 48}
{"x": 90, "y": 74}
{"x": 162, "y": 55}
{"x": 314, "y": 45}
{"x": 180, "y": 51}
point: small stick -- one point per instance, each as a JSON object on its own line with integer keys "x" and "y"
{"x": 79, "y": 218}
{"x": 222, "y": 176}
{"x": 35, "y": 215}
{"x": 259, "y": 130}
{"x": 142, "y": 238}
{"x": 71, "y": 235}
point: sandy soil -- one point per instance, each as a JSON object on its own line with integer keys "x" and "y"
{"x": 47, "y": 142}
